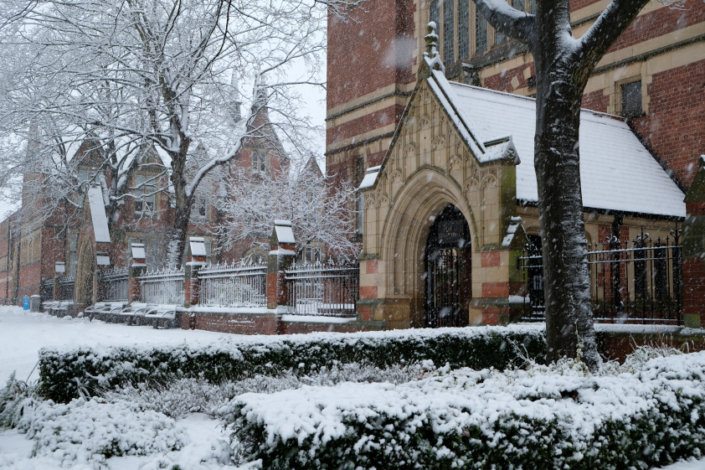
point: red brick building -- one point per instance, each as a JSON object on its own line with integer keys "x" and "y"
{"x": 660, "y": 59}
{"x": 44, "y": 232}
{"x": 652, "y": 76}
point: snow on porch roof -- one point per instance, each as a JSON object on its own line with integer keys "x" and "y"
{"x": 617, "y": 171}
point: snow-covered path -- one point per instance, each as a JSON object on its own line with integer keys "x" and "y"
{"x": 23, "y": 334}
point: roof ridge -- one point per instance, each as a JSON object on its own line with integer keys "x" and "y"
{"x": 528, "y": 98}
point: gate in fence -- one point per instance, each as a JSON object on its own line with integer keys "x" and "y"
{"x": 637, "y": 282}
{"x": 236, "y": 285}
{"x": 66, "y": 288}
{"x": 47, "y": 291}
{"x": 114, "y": 284}
{"x": 323, "y": 289}
{"x": 163, "y": 286}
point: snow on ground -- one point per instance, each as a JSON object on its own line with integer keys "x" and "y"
{"x": 206, "y": 449}
{"x": 23, "y": 334}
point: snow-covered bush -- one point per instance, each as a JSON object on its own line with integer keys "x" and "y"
{"x": 178, "y": 398}
{"x": 13, "y": 399}
{"x": 645, "y": 413}
{"x": 88, "y": 372}
{"x": 90, "y": 430}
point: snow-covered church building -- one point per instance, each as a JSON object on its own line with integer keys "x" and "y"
{"x": 448, "y": 213}
{"x": 445, "y": 156}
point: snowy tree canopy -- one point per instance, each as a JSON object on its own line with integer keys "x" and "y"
{"x": 317, "y": 206}
{"x": 141, "y": 77}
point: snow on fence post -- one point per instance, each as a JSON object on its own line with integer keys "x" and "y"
{"x": 59, "y": 273}
{"x": 196, "y": 259}
{"x": 282, "y": 255}
{"x": 138, "y": 264}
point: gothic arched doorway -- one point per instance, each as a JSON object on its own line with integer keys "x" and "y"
{"x": 448, "y": 270}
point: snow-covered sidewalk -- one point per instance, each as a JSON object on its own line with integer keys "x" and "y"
{"x": 23, "y": 334}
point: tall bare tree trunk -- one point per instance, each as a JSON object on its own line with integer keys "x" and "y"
{"x": 563, "y": 66}
{"x": 557, "y": 163}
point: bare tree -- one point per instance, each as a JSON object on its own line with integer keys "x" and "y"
{"x": 317, "y": 206}
{"x": 162, "y": 74}
{"x": 563, "y": 66}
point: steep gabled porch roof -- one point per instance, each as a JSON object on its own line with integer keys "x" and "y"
{"x": 617, "y": 172}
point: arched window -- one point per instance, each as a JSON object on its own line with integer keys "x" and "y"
{"x": 463, "y": 32}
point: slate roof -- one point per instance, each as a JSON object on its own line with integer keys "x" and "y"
{"x": 617, "y": 171}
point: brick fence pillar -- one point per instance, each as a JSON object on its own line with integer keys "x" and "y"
{"x": 196, "y": 259}
{"x": 282, "y": 255}
{"x": 59, "y": 273}
{"x": 138, "y": 264}
{"x": 694, "y": 251}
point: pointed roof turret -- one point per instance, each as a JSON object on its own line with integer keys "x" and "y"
{"x": 235, "y": 103}
{"x": 260, "y": 98}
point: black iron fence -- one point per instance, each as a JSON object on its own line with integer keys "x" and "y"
{"x": 323, "y": 289}
{"x": 631, "y": 282}
{"x": 66, "y": 287}
{"x": 47, "y": 290}
{"x": 113, "y": 284}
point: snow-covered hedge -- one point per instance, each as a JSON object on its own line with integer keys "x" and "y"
{"x": 91, "y": 431}
{"x": 638, "y": 415}
{"x": 85, "y": 372}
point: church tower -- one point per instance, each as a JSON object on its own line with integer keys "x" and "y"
{"x": 653, "y": 75}
{"x": 372, "y": 61}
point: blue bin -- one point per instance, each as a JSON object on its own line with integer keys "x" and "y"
{"x": 26, "y": 303}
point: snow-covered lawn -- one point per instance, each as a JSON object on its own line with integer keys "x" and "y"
{"x": 195, "y": 441}
{"x": 23, "y": 334}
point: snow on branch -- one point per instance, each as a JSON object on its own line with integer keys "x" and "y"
{"x": 510, "y": 21}
{"x": 613, "y": 21}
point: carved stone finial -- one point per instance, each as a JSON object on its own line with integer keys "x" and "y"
{"x": 431, "y": 39}
{"x": 431, "y": 55}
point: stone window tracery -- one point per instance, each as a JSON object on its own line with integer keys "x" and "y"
{"x": 463, "y": 31}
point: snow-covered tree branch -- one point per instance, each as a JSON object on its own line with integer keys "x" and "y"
{"x": 318, "y": 208}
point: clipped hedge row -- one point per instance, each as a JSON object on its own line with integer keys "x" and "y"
{"x": 69, "y": 374}
{"x": 658, "y": 437}
{"x": 483, "y": 420}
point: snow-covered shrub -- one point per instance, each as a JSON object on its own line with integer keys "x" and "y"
{"x": 549, "y": 417}
{"x": 91, "y": 430}
{"x": 14, "y": 398}
{"x": 180, "y": 397}
{"x": 87, "y": 372}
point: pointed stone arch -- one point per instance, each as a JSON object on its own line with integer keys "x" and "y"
{"x": 403, "y": 240}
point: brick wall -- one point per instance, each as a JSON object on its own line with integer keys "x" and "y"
{"x": 659, "y": 22}
{"x": 503, "y": 80}
{"x": 243, "y": 324}
{"x": 675, "y": 124}
{"x": 616, "y": 346}
{"x": 370, "y": 50}
{"x": 366, "y": 123}
{"x": 578, "y": 4}
{"x": 596, "y": 101}
{"x": 29, "y": 279}
{"x": 260, "y": 324}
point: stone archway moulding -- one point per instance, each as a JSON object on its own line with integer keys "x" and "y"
{"x": 405, "y": 230}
